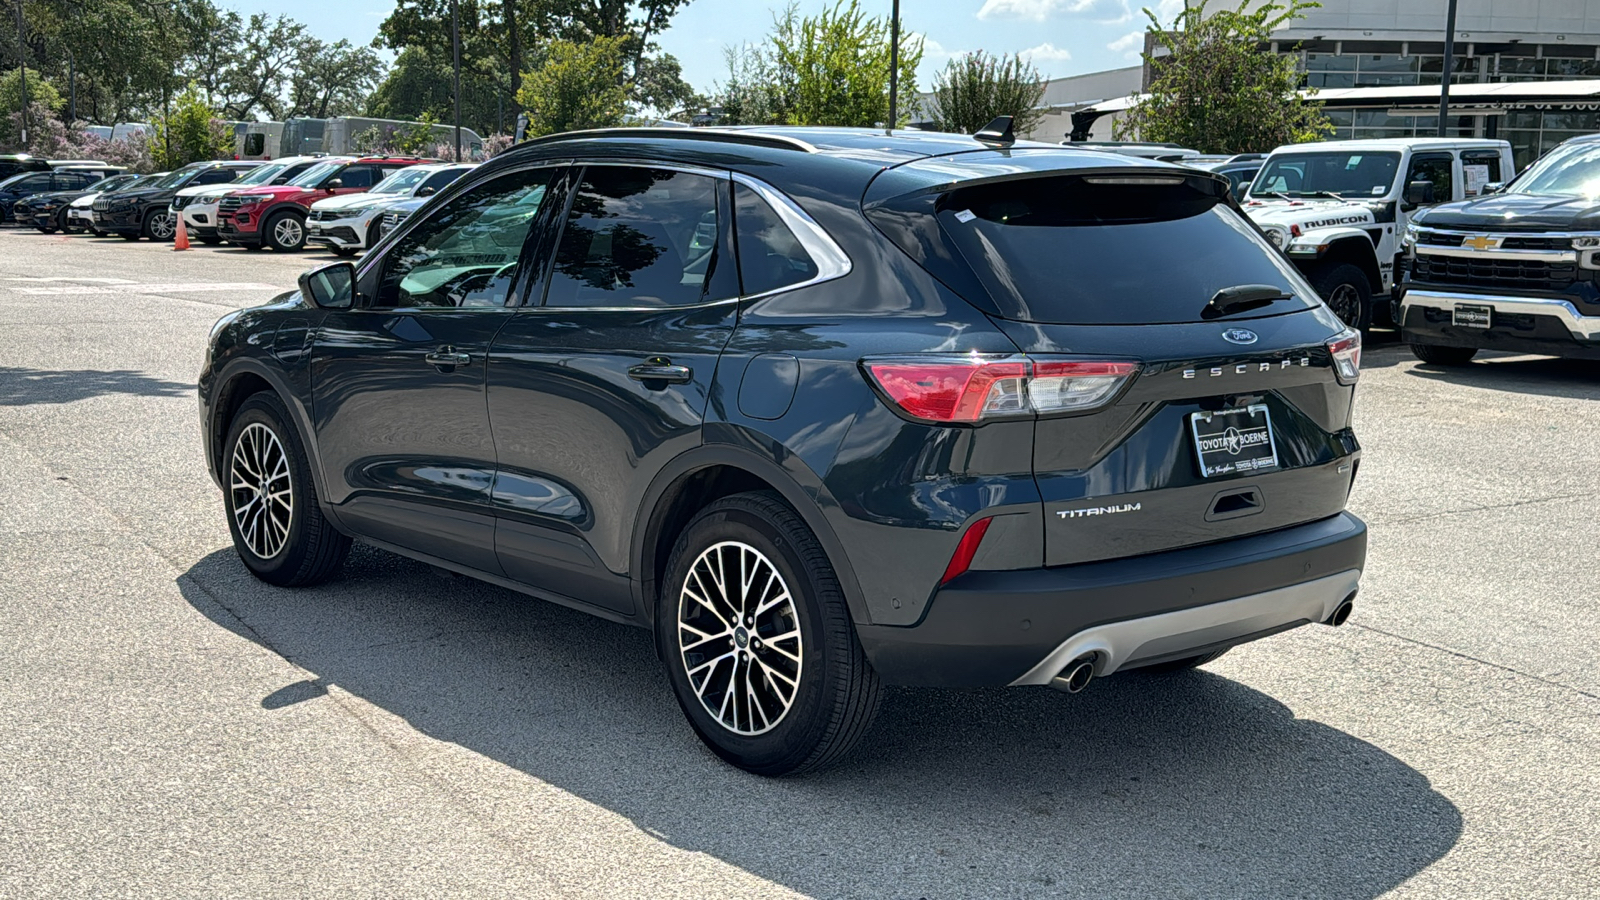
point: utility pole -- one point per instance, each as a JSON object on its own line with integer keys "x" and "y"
{"x": 1449, "y": 66}
{"x": 455, "y": 41}
{"x": 22, "y": 70}
{"x": 894, "y": 68}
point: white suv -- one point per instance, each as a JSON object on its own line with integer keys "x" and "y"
{"x": 348, "y": 223}
{"x": 1339, "y": 209}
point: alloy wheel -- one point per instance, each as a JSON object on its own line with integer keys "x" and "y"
{"x": 262, "y": 490}
{"x": 1346, "y": 303}
{"x": 739, "y": 638}
{"x": 288, "y": 232}
{"x": 161, "y": 227}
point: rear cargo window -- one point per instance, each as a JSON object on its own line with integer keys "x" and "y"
{"x": 1065, "y": 249}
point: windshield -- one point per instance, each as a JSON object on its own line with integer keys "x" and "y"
{"x": 261, "y": 174}
{"x": 1573, "y": 169}
{"x": 146, "y": 181}
{"x": 14, "y": 179}
{"x": 115, "y": 182}
{"x": 402, "y": 182}
{"x": 1346, "y": 173}
{"x": 313, "y": 175}
{"x": 174, "y": 179}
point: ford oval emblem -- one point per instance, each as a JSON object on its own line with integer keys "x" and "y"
{"x": 1239, "y": 336}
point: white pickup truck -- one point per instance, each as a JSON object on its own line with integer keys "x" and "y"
{"x": 1339, "y": 209}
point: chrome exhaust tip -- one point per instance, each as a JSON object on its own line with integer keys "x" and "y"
{"x": 1341, "y": 613}
{"x": 1076, "y": 676}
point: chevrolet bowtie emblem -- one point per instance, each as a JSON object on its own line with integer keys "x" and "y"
{"x": 1482, "y": 242}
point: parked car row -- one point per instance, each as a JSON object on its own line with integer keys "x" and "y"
{"x": 337, "y": 202}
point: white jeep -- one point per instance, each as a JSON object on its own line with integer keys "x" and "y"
{"x": 1339, "y": 209}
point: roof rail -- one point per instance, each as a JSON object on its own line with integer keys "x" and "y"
{"x": 723, "y": 135}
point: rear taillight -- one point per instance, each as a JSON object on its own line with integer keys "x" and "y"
{"x": 974, "y": 388}
{"x": 1346, "y": 351}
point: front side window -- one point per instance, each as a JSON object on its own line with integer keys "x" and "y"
{"x": 1434, "y": 168}
{"x": 359, "y": 176}
{"x": 1347, "y": 174}
{"x": 641, "y": 237}
{"x": 216, "y": 176}
{"x": 313, "y": 176}
{"x": 466, "y": 254}
{"x": 770, "y": 256}
{"x": 440, "y": 180}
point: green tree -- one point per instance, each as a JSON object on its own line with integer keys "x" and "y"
{"x": 190, "y": 133}
{"x": 829, "y": 69}
{"x": 1218, "y": 89}
{"x": 972, "y": 90}
{"x": 40, "y": 91}
{"x": 578, "y": 86}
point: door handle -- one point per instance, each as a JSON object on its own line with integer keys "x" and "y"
{"x": 659, "y": 368}
{"x": 447, "y": 358}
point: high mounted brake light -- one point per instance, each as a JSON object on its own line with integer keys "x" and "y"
{"x": 970, "y": 389}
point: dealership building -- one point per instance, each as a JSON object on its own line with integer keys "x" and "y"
{"x": 1527, "y": 71}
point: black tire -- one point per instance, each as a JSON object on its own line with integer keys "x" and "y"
{"x": 374, "y": 234}
{"x": 209, "y": 240}
{"x": 129, "y": 237}
{"x": 1444, "y": 356}
{"x": 46, "y": 229}
{"x": 836, "y": 692}
{"x": 343, "y": 251}
{"x": 62, "y": 224}
{"x": 1346, "y": 290}
{"x": 309, "y": 549}
{"x": 157, "y": 225}
{"x": 1183, "y": 665}
{"x": 285, "y": 243}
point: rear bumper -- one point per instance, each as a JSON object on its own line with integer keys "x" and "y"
{"x": 1023, "y": 627}
{"x": 1518, "y": 323}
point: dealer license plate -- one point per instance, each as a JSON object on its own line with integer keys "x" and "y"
{"x": 1470, "y": 315}
{"x": 1234, "y": 440}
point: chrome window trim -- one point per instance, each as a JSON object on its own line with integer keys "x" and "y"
{"x": 831, "y": 260}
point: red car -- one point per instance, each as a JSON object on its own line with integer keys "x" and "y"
{"x": 275, "y": 215}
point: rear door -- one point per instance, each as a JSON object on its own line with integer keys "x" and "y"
{"x": 1231, "y": 421}
{"x": 402, "y": 425}
{"x": 594, "y": 390}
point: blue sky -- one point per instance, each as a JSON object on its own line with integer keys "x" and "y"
{"x": 1062, "y": 37}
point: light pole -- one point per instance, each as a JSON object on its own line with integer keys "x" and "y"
{"x": 455, "y": 42}
{"x": 894, "y": 67}
{"x": 22, "y": 72}
{"x": 1449, "y": 66}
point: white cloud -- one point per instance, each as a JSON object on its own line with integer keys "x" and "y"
{"x": 1046, "y": 53}
{"x": 934, "y": 53}
{"x": 1129, "y": 45}
{"x": 1107, "y": 11}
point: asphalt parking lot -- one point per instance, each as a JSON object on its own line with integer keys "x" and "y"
{"x": 170, "y": 727}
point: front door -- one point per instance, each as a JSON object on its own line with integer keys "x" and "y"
{"x": 594, "y": 391}
{"x": 402, "y": 426}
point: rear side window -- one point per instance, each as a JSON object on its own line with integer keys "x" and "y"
{"x": 1067, "y": 250}
{"x": 642, "y": 237}
{"x": 770, "y": 256}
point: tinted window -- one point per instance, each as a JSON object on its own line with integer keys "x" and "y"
{"x": 1062, "y": 249}
{"x": 1434, "y": 167}
{"x": 359, "y": 177}
{"x": 40, "y": 182}
{"x": 1358, "y": 173}
{"x": 641, "y": 237}
{"x": 441, "y": 179}
{"x": 255, "y": 144}
{"x": 215, "y": 176}
{"x": 770, "y": 256}
{"x": 466, "y": 253}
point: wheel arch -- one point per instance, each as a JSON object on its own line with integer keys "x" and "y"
{"x": 1354, "y": 248}
{"x": 704, "y": 475}
{"x": 242, "y": 379}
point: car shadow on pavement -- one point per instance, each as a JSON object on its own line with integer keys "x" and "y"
{"x": 23, "y": 387}
{"x": 1188, "y": 784}
{"x": 1545, "y": 376}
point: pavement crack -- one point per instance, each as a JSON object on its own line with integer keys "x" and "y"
{"x": 1469, "y": 657}
{"x": 1407, "y": 520}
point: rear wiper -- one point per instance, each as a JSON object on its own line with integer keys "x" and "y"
{"x": 1241, "y": 297}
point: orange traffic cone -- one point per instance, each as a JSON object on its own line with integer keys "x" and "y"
{"x": 180, "y": 241}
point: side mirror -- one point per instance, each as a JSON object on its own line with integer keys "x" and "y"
{"x": 427, "y": 191}
{"x": 331, "y": 286}
{"x": 1493, "y": 187}
{"x": 1419, "y": 193}
{"x": 332, "y": 183}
